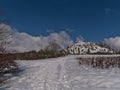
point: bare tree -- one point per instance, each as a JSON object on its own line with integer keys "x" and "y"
{"x": 54, "y": 46}
{"x": 6, "y": 33}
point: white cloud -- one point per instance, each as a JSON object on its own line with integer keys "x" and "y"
{"x": 113, "y": 42}
{"x": 24, "y": 42}
{"x": 69, "y": 30}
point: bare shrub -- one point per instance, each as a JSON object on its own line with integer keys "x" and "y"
{"x": 1, "y": 81}
{"x": 7, "y": 64}
{"x": 100, "y": 62}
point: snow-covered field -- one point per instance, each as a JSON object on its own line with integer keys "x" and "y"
{"x": 62, "y": 74}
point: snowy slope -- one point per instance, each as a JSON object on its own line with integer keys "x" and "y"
{"x": 88, "y": 48}
{"x": 62, "y": 74}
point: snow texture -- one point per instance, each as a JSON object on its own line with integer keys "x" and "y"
{"x": 62, "y": 74}
{"x": 88, "y": 47}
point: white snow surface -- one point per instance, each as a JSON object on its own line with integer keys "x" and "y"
{"x": 62, "y": 73}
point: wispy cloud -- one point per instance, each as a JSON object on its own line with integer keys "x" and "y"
{"x": 80, "y": 38}
{"x": 64, "y": 29}
{"x": 110, "y": 10}
{"x": 107, "y": 10}
{"x": 50, "y": 30}
{"x": 69, "y": 30}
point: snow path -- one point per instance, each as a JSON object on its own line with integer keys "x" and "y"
{"x": 62, "y": 74}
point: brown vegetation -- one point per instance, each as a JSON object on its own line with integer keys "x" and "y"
{"x": 7, "y": 64}
{"x": 100, "y": 62}
{"x": 33, "y": 55}
{"x": 1, "y": 81}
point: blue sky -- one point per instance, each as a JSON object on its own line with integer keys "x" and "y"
{"x": 95, "y": 20}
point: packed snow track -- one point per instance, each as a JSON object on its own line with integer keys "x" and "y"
{"x": 62, "y": 74}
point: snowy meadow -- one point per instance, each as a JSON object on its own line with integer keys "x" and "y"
{"x": 63, "y": 73}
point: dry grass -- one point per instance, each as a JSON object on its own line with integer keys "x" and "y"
{"x": 1, "y": 81}
{"x": 100, "y": 62}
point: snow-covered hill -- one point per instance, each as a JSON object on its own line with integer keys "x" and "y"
{"x": 88, "y": 48}
{"x": 62, "y": 74}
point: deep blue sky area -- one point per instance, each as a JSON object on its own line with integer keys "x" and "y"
{"x": 95, "y": 20}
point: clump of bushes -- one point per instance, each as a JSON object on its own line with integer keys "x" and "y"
{"x": 42, "y": 54}
{"x": 7, "y": 64}
{"x": 31, "y": 55}
{"x": 100, "y": 62}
